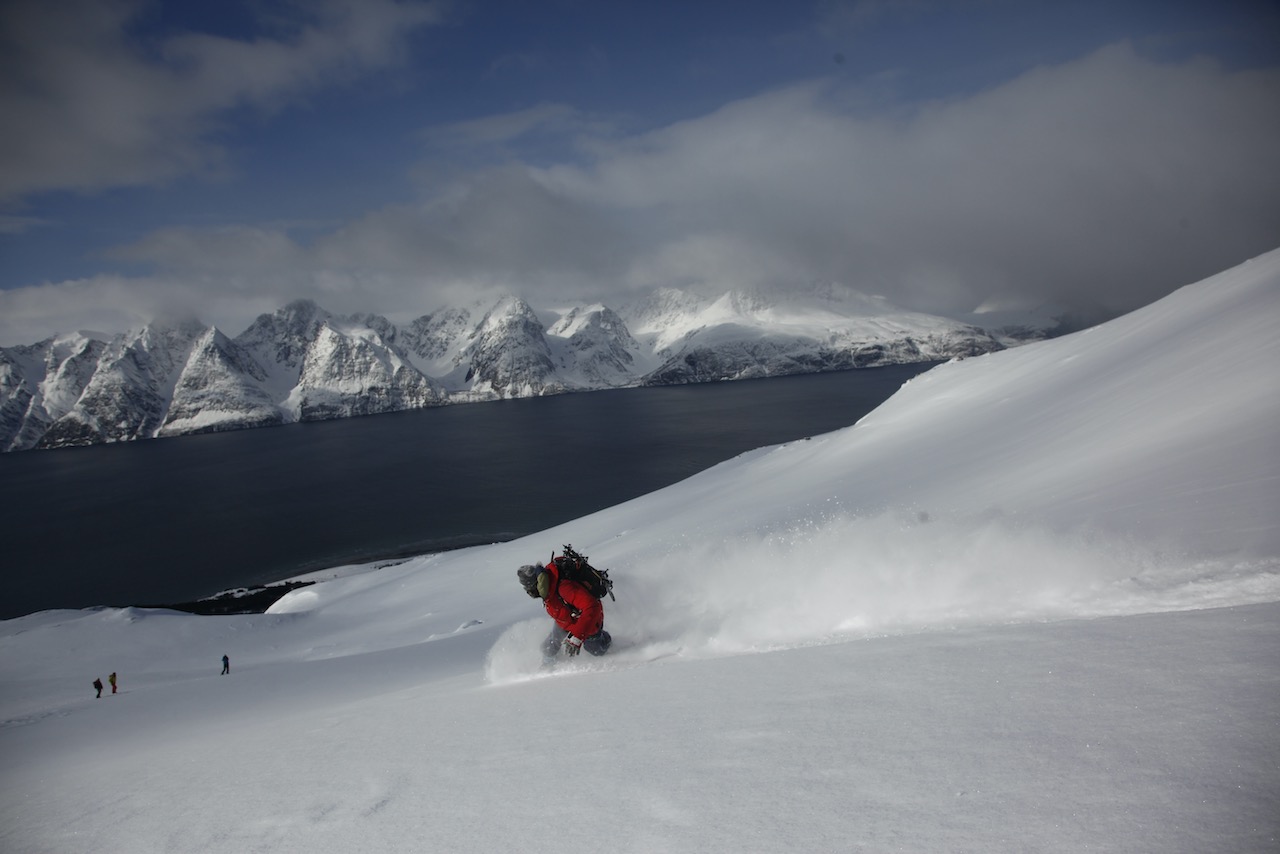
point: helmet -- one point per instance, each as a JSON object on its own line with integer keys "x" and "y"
{"x": 528, "y": 575}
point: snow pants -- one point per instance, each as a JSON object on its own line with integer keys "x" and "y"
{"x": 597, "y": 644}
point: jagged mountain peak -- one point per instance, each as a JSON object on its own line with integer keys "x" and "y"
{"x": 302, "y": 362}
{"x": 300, "y": 317}
{"x": 302, "y": 309}
{"x": 508, "y": 309}
{"x": 507, "y": 354}
{"x": 70, "y": 341}
{"x": 579, "y": 319}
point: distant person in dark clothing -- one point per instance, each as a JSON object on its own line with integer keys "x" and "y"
{"x": 112, "y": 680}
{"x": 226, "y": 665}
{"x": 97, "y": 683}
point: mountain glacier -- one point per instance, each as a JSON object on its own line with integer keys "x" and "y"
{"x": 302, "y": 363}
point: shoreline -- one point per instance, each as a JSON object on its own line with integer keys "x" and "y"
{"x": 258, "y": 598}
{"x": 241, "y": 600}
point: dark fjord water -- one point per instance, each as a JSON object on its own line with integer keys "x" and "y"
{"x": 173, "y": 520}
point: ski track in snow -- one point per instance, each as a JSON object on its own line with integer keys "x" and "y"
{"x": 516, "y": 656}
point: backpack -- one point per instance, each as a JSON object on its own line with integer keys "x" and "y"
{"x": 574, "y": 567}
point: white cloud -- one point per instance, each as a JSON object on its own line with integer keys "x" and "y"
{"x": 87, "y": 107}
{"x": 505, "y": 127}
{"x": 229, "y": 250}
{"x": 1109, "y": 180}
{"x": 109, "y": 304}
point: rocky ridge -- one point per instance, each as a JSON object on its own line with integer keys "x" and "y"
{"x": 302, "y": 363}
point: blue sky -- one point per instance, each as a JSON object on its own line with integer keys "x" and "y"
{"x": 222, "y": 158}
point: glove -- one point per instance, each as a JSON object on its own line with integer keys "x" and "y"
{"x": 572, "y": 646}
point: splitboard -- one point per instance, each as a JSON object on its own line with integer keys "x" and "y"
{"x": 619, "y": 657}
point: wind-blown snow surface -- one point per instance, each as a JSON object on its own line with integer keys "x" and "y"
{"x": 1029, "y": 604}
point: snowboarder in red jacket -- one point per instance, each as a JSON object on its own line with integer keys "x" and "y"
{"x": 579, "y": 616}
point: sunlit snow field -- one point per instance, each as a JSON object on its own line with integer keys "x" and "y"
{"x": 1028, "y": 604}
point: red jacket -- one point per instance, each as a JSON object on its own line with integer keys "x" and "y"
{"x": 572, "y": 607}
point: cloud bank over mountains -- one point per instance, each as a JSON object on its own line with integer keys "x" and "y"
{"x": 1100, "y": 183}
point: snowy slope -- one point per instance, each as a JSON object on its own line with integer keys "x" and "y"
{"x": 974, "y": 621}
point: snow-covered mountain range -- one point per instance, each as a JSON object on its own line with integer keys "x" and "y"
{"x": 303, "y": 363}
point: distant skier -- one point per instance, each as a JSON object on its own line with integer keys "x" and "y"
{"x": 226, "y": 665}
{"x": 112, "y": 680}
{"x": 97, "y": 683}
{"x": 579, "y": 616}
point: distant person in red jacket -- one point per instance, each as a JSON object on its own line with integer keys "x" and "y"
{"x": 112, "y": 680}
{"x": 579, "y": 616}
